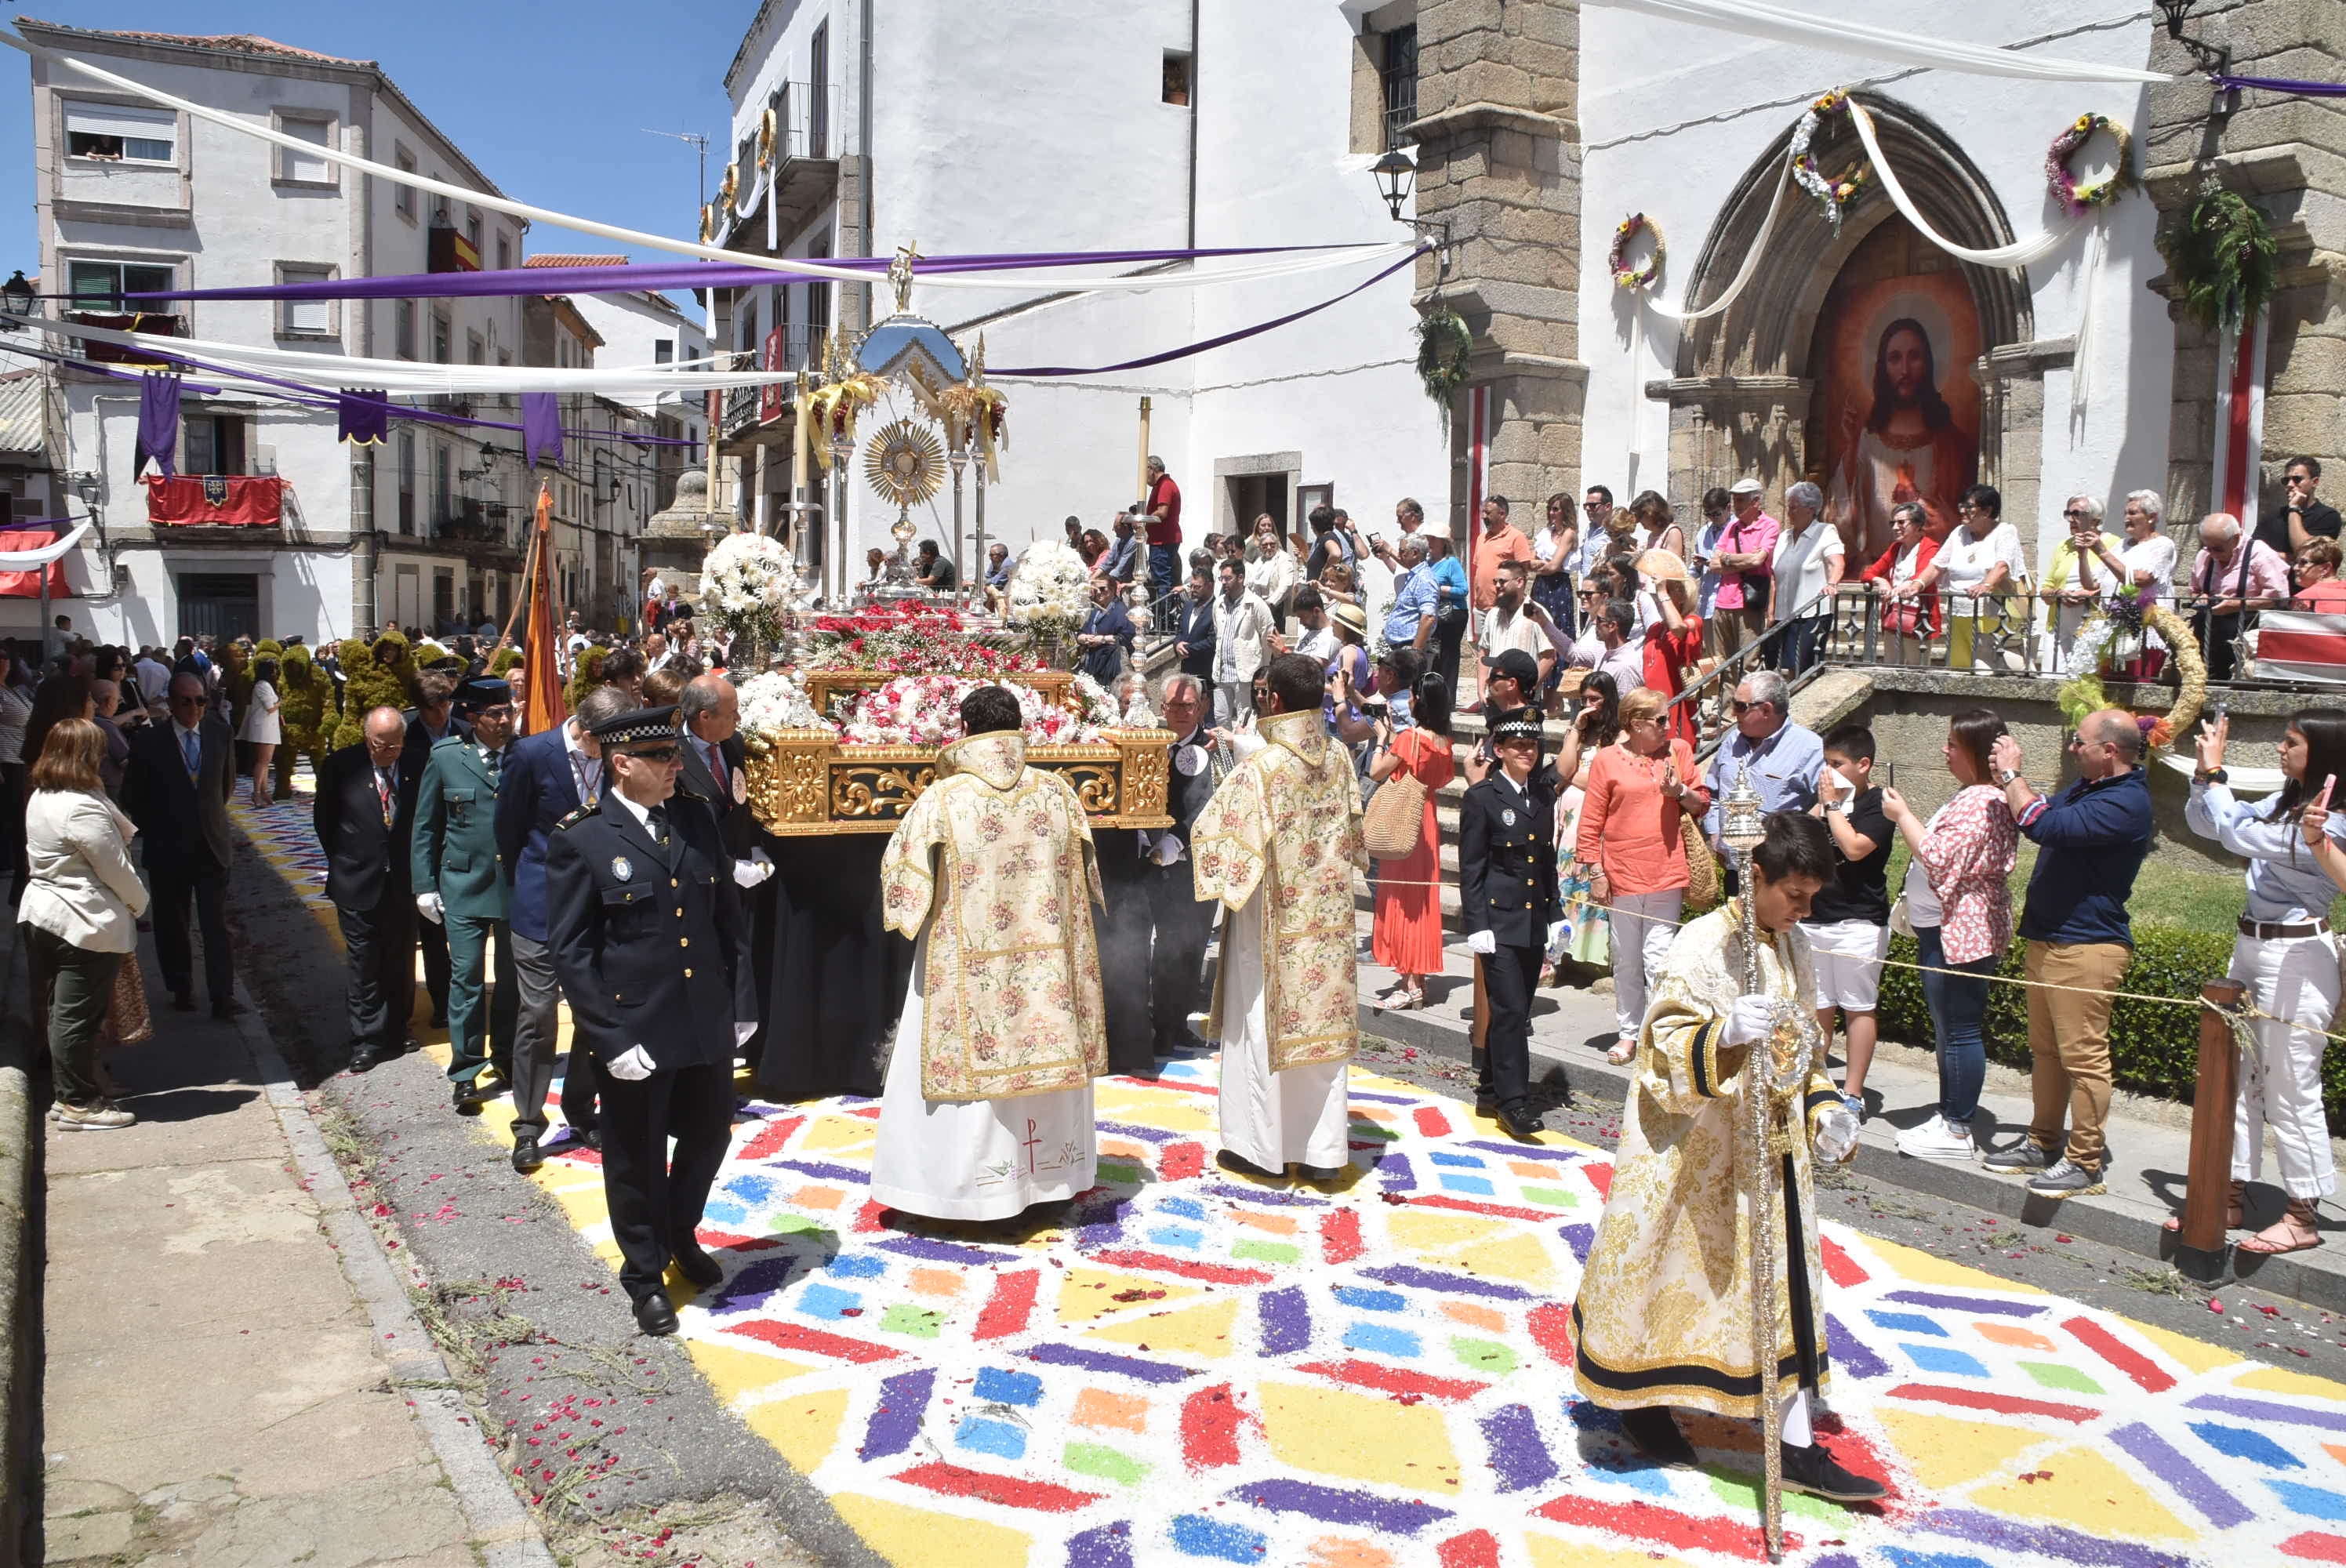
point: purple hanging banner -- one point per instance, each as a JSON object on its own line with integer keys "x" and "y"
{"x": 2283, "y": 85}
{"x": 158, "y": 424}
{"x": 361, "y": 417}
{"x": 541, "y": 426}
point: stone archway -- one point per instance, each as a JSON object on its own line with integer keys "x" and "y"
{"x": 1740, "y": 400}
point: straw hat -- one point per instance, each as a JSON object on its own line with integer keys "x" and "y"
{"x": 1350, "y": 619}
{"x": 1661, "y": 566}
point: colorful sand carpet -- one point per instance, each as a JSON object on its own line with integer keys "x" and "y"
{"x": 1204, "y": 1369}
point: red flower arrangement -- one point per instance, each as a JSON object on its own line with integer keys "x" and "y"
{"x": 908, "y": 639}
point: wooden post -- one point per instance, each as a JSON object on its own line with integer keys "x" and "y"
{"x": 2209, "y": 1173}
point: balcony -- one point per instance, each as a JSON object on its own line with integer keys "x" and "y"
{"x": 803, "y": 161}
{"x": 447, "y": 251}
{"x": 157, "y": 325}
{"x": 215, "y": 501}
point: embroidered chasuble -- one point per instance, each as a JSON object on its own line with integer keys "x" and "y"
{"x": 1287, "y": 823}
{"x": 1664, "y": 1315}
{"x": 1000, "y": 854}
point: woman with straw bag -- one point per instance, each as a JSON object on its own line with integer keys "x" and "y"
{"x": 1409, "y": 769}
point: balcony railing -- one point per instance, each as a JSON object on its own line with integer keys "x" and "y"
{"x": 153, "y": 323}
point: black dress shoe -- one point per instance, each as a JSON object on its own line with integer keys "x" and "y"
{"x": 525, "y": 1155}
{"x": 1813, "y": 1471}
{"x": 439, "y": 1018}
{"x": 654, "y": 1315}
{"x": 467, "y": 1099}
{"x": 182, "y": 1002}
{"x": 696, "y": 1265}
{"x": 1237, "y": 1166}
{"x": 230, "y": 1007}
{"x": 1657, "y": 1436}
{"x": 587, "y": 1138}
{"x": 1518, "y": 1123}
{"x": 364, "y": 1058}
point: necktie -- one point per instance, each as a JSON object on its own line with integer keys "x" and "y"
{"x": 657, "y": 820}
{"x": 717, "y": 771}
{"x": 382, "y": 789}
{"x": 193, "y": 751}
{"x": 497, "y": 765}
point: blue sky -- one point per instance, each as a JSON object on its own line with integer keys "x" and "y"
{"x": 549, "y": 100}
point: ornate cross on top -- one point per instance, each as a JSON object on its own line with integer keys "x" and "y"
{"x": 900, "y": 274}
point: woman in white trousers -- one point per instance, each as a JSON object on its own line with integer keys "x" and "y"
{"x": 2287, "y": 957}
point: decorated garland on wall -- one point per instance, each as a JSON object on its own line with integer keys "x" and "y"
{"x": 1637, "y": 279}
{"x": 2077, "y": 199}
{"x": 1832, "y": 194}
{"x": 1445, "y": 348}
{"x": 2083, "y": 693}
{"x": 2220, "y": 257}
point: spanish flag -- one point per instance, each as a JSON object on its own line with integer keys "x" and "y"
{"x": 542, "y": 628}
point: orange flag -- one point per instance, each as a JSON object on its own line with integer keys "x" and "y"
{"x": 542, "y": 623}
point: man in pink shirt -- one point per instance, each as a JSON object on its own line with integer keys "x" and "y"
{"x": 2230, "y": 576}
{"x": 1746, "y": 548}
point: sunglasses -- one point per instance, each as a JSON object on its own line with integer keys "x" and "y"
{"x": 191, "y": 702}
{"x": 2076, "y": 512}
{"x": 655, "y": 753}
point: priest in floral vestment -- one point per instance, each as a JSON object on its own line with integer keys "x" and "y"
{"x": 1664, "y": 1315}
{"x": 1277, "y": 846}
{"x": 987, "y": 1109}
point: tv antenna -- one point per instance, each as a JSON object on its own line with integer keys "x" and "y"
{"x": 699, "y": 144}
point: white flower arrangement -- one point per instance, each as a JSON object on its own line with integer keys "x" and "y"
{"x": 1100, "y": 706}
{"x": 749, "y": 582}
{"x": 1050, "y": 590}
{"x": 773, "y": 701}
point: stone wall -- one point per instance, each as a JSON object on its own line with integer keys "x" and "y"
{"x": 2288, "y": 155}
{"x": 1498, "y": 158}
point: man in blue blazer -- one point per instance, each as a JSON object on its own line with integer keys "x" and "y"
{"x": 550, "y": 775}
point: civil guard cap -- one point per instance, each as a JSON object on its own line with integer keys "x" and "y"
{"x": 481, "y": 692}
{"x": 635, "y": 726}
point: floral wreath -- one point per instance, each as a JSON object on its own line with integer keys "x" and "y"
{"x": 2076, "y": 199}
{"x": 1832, "y": 194}
{"x": 1636, "y": 278}
{"x": 2082, "y": 694}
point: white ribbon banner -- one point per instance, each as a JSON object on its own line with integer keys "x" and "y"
{"x": 35, "y": 559}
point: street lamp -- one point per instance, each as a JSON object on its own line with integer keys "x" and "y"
{"x": 16, "y": 299}
{"x": 1395, "y": 175}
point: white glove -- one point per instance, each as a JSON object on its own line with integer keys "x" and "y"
{"x": 429, "y": 906}
{"x": 742, "y": 1032}
{"x": 1751, "y": 1018}
{"x": 1168, "y": 850}
{"x": 1835, "y": 1138}
{"x": 631, "y": 1065}
{"x": 749, "y": 873}
{"x": 1482, "y": 942}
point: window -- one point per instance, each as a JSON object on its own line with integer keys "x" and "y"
{"x": 406, "y": 483}
{"x": 403, "y": 198}
{"x": 663, "y": 351}
{"x": 443, "y": 492}
{"x": 100, "y": 285}
{"x": 505, "y": 251}
{"x": 818, "y": 92}
{"x": 818, "y": 294}
{"x": 1397, "y": 77}
{"x": 473, "y": 234}
{"x": 749, "y": 326}
{"x": 402, "y": 329}
{"x": 477, "y": 351}
{"x": 304, "y": 318}
{"x": 110, "y": 133}
{"x": 440, "y": 338}
{"x": 214, "y": 442}
{"x": 305, "y": 168}
{"x": 1177, "y": 79}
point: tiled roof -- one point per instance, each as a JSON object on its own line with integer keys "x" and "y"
{"x": 20, "y": 411}
{"x": 239, "y": 43}
{"x": 557, "y": 258}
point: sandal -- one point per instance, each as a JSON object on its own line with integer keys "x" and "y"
{"x": 1415, "y": 1001}
{"x": 2294, "y": 1231}
{"x": 2234, "y": 1214}
{"x": 1623, "y": 1051}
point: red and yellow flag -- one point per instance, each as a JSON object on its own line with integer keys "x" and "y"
{"x": 542, "y": 628}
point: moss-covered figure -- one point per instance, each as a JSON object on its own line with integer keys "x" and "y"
{"x": 585, "y": 675}
{"x": 505, "y": 660}
{"x": 308, "y": 715}
{"x": 377, "y": 674}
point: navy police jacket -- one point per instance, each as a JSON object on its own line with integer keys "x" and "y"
{"x": 1507, "y": 861}
{"x": 651, "y": 945}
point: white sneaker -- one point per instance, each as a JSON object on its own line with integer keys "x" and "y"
{"x": 1937, "y": 1139}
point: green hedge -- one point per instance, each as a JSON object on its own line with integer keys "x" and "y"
{"x": 2153, "y": 1048}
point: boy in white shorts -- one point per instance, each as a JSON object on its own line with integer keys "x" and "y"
{"x": 1848, "y": 924}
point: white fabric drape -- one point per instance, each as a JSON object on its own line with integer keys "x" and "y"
{"x": 2019, "y": 253}
{"x": 1755, "y": 20}
{"x": 35, "y": 559}
{"x": 1750, "y": 260}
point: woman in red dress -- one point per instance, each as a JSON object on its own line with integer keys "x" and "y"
{"x": 1673, "y": 638}
{"x": 1407, "y": 935}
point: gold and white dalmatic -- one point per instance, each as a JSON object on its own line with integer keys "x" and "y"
{"x": 987, "y": 1107}
{"x": 1664, "y": 1315}
{"x": 1277, "y": 846}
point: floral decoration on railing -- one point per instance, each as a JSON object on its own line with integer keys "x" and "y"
{"x": 977, "y": 416}
{"x": 925, "y": 710}
{"x": 2129, "y": 616}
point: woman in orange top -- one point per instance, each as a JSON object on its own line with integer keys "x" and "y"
{"x": 1407, "y": 935}
{"x": 1638, "y": 790}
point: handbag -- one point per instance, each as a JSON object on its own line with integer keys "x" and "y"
{"x": 1394, "y": 822}
{"x": 1702, "y": 869}
{"x": 127, "y": 1021}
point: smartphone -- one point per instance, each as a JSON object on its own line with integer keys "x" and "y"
{"x": 1893, "y": 774}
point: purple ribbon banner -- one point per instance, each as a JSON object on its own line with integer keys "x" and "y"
{"x": 2283, "y": 85}
{"x": 639, "y": 275}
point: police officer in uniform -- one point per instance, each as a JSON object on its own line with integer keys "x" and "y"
{"x": 1507, "y": 896}
{"x": 651, "y": 948}
{"x": 461, "y": 879}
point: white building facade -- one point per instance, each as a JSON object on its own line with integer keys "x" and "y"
{"x": 1249, "y": 130}
{"x": 426, "y": 529}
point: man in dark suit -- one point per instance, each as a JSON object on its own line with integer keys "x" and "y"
{"x": 1193, "y": 637}
{"x": 709, "y": 714}
{"x": 1507, "y": 896}
{"x": 432, "y": 720}
{"x": 459, "y": 879}
{"x": 1154, "y": 924}
{"x": 175, "y": 785}
{"x": 364, "y": 813}
{"x": 652, "y": 949}
{"x": 549, "y": 776}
